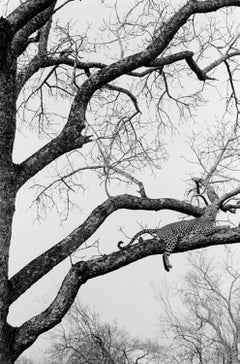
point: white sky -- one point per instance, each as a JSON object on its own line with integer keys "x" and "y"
{"x": 125, "y": 295}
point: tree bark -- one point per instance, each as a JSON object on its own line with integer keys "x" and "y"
{"x": 7, "y": 179}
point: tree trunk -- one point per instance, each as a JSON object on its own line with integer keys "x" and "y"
{"x": 7, "y": 184}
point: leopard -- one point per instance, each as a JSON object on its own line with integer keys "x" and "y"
{"x": 171, "y": 234}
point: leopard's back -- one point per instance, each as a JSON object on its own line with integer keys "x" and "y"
{"x": 172, "y": 233}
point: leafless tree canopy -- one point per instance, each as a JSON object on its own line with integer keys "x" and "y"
{"x": 107, "y": 101}
{"x": 83, "y": 338}
{"x": 206, "y": 329}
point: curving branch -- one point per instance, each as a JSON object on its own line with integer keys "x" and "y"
{"x": 147, "y": 57}
{"x": 126, "y": 92}
{"x": 227, "y": 196}
{"x": 63, "y": 143}
{"x": 27, "y": 18}
{"x": 76, "y": 119}
{"x": 40, "y": 62}
{"x": 21, "y": 39}
{"x": 143, "y": 58}
{"x": 26, "y": 12}
{"x": 37, "y": 268}
{"x": 25, "y": 335}
{"x": 71, "y": 137}
{"x": 184, "y": 55}
{"x": 83, "y": 271}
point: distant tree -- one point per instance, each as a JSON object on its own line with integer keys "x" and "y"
{"x": 83, "y": 338}
{"x": 107, "y": 104}
{"x": 207, "y": 328}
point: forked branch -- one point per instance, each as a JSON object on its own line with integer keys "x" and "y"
{"x": 83, "y": 271}
{"x": 37, "y": 268}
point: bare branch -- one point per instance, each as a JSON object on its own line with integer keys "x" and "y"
{"x": 62, "y": 144}
{"x": 125, "y": 91}
{"x": 220, "y": 60}
{"x": 144, "y": 57}
{"x": 26, "y": 334}
{"x": 83, "y": 271}
{"x": 38, "y": 63}
{"x": 46, "y": 261}
{"x": 133, "y": 179}
{"x": 188, "y": 57}
{"x": 228, "y": 195}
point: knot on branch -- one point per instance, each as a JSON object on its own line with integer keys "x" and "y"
{"x": 201, "y": 75}
{"x": 83, "y": 139}
{"x": 81, "y": 268}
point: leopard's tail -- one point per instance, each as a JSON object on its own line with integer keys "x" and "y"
{"x": 144, "y": 231}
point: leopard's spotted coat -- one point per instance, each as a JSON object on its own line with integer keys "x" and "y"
{"x": 172, "y": 233}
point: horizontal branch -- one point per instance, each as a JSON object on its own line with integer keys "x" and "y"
{"x": 145, "y": 248}
{"x": 39, "y": 62}
{"x": 37, "y": 268}
{"x": 83, "y": 271}
{"x": 188, "y": 57}
{"x": 171, "y": 58}
{"x": 145, "y": 57}
{"x": 148, "y": 55}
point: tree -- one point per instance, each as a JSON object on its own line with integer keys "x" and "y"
{"x": 207, "y": 329}
{"x": 83, "y": 338}
{"x": 106, "y": 130}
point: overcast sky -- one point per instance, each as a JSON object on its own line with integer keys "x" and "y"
{"x": 126, "y": 295}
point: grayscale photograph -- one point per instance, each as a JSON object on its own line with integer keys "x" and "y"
{"x": 119, "y": 182}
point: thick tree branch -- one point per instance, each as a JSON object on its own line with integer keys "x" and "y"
{"x": 21, "y": 38}
{"x": 76, "y": 119}
{"x": 26, "y": 334}
{"x": 146, "y": 57}
{"x": 83, "y": 271}
{"x": 27, "y": 18}
{"x": 40, "y": 62}
{"x": 143, "y": 58}
{"x": 44, "y": 35}
{"x": 171, "y": 58}
{"x": 188, "y": 56}
{"x": 65, "y": 142}
{"x": 26, "y": 12}
{"x": 46, "y": 261}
